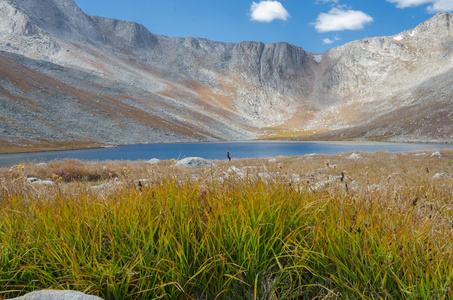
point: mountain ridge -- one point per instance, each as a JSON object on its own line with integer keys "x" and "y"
{"x": 194, "y": 89}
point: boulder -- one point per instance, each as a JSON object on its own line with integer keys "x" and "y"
{"x": 46, "y": 182}
{"x": 194, "y": 162}
{"x": 33, "y": 180}
{"x": 153, "y": 161}
{"x": 355, "y": 156}
{"x": 436, "y": 154}
{"x": 107, "y": 185}
{"x": 56, "y": 295}
{"x": 233, "y": 170}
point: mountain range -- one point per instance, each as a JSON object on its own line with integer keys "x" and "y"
{"x": 66, "y": 76}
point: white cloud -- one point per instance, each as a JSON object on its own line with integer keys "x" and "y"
{"x": 327, "y": 1}
{"x": 436, "y": 5}
{"x": 268, "y": 11}
{"x": 409, "y": 3}
{"x": 441, "y": 5}
{"x": 327, "y": 41}
{"x": 338, "y": 19}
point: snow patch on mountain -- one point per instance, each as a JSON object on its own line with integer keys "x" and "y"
{"x": 317, "y": 58}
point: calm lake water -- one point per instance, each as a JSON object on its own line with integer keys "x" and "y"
{"x": 253, "y": 149}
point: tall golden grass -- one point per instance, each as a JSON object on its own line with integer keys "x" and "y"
{"x": 287, "y": 230}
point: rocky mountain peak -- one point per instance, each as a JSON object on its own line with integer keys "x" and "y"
{"x": 439, "y": 27}
{"x": 122, "y": 34}
{"x": 62, "y": 18}
{"x": 442, "y": 20}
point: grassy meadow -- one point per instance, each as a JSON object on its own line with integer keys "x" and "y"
{"x": 379, "y": 226}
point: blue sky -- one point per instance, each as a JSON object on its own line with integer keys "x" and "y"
{"x": 314, "y": 25}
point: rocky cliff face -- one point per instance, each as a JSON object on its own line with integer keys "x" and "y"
{"x": 373, "y": 78}
{"x": 69, "y": 76}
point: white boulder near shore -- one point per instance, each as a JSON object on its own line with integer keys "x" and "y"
{"x": 153, "y": 161}
{"x": 355, "y": 156}
{"x": 194, "y": 162}
{"x": 35, "y": 180}
{"x": 56, "y": 295}
{"x": 436, "y": 154}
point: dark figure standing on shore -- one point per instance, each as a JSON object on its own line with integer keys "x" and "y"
{"x": 228, "y": 155}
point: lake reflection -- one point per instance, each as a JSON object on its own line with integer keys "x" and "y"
{"x": 253, "y": 149}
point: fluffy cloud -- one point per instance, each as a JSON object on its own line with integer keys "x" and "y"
{"x": 441, "y": 5}
{"x": 327, "y": 1}
{"x": 327, "y": 41}
{"x": 408, "y": 3}
{"x": 338, "y": 19}
{"x": 268, "y": 11}
{"x": 436, "y": 5}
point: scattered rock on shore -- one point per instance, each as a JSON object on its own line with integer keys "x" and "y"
{"x": 436, "y": 154}
{"x": 153, "y": 161}
{"x": 439, "y": 175}
{"x": 233, "y": 170}
{"x": 35, "y": 180}
{"x": 194, "y": 162}
{"x": 56, "y": 295}
{"x": 355, "y": 156}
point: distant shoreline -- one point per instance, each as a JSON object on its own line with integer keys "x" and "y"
{"x": 254, "y": 149}
{"x": 66, "y": 146}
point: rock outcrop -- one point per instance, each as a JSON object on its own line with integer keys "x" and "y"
{"x": 56, "y": 295}
{"x": 194, "y": 162}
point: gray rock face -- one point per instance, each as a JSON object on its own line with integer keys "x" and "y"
{"x": 126, "y": 35}
{"x": 59, "y": 17}
{"x": 56, "y": 295}
{"x": 395, "y": 87}
{"x": 96, "y": 79}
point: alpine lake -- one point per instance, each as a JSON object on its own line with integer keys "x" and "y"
{"x": 215, "y": 151}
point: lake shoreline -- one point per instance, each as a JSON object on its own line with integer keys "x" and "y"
{"x": 47, "y": 147}
{"x": 215, "y": 150}
{"x": 67, "y": 146}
